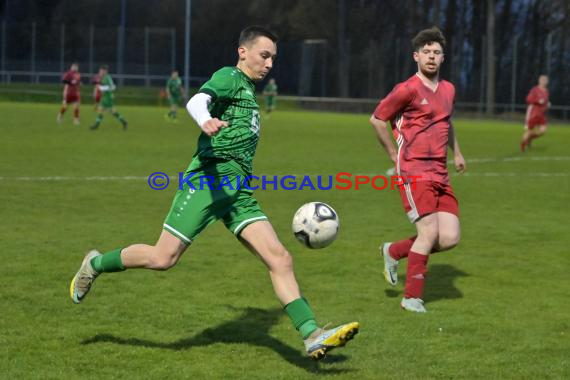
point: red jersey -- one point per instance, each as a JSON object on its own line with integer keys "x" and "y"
{"x": 96, "y": 80}
{"x": 420, "y": 119}
{"x": 537, "y": 99}
{"x": 73, "y": 80}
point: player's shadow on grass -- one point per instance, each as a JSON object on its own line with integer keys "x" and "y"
{"x": 250, "y": 327}
{"x": 440, "y": 283}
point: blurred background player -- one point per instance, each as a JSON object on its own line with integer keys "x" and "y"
{"x": 71, "y": 95}
{"x": 107, "y": 87}
{"x": 537, "y": 105}
{"x": 270, "y": 93}
{"x": 96, "y": 80}
{"x": 419, "y": 111}
{"x": 175, "y": 93}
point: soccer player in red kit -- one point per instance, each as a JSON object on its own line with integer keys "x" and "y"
{"x": 71, "y": 95}
{"x": 96, "y": 80}
{"x": 419, "y": 110}
{"x": 538, "y": 104}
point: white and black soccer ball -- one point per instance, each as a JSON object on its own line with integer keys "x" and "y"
{"x": 315, "y": 225}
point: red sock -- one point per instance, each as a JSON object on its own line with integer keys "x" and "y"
{"x": 415, "y": 278}
{"x": 76, "y": 113}
{"x": 400, "y": 249}
{"x": 62, "y": 110}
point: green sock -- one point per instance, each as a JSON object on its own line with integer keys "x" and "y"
{"x": 108, "y": 262}
{"x": 98, "y": 120}
{"x": 302, "y": 317}
{"x": 120, "y": 117}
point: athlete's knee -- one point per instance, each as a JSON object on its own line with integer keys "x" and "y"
{"x": 164, "y": 258}
{"x": 448, "y": 239}
{"x": 280, "y": 258}
{"x": 428, "y": 235}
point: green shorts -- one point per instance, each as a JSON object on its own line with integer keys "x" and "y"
{"x": 270, "y": 101}
{"x": 174, "y": 100}
{"x": 196, "y": 207}
{"x": 107, "y": 102}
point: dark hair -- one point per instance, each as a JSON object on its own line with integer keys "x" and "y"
{"x": 104, "y": 67}
{"x": 428, "y": 37}
{"x": 249, "y": 34}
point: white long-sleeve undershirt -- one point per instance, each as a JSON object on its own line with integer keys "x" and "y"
{"x": 197, "y": 107}
{"x": 104, "y": 88}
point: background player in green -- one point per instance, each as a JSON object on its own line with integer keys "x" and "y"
{"x": 107, "y": 87}
{"x": 175, "y": 93}
{"x": 270, "y": 93}
{"x": 226, "y": 110}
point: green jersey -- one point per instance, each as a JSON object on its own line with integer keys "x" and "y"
{"x": 174, "y": 86}
{"x": 233, "y": 101}
{"x": 108, "y": 81}
{"x": 270, "y": 90}
{"x": 107, "y": 87}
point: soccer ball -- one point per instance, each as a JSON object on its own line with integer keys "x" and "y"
{"x": 315, "y": 225}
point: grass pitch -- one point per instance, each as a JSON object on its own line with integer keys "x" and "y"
{"x": 498, "y": 303}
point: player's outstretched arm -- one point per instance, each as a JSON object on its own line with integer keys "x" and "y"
{"x": 458, "y": 160}
{"x": 381, "y": 129}
{"x": 65, "y": 88}
{"x": 198, "y": 108}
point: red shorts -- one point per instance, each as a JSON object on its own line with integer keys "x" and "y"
{"x": 535, "y": 122}
{"x": 72, "y": 98}
{"x": 428, "y": 197}
{"x": 97, "y": 97}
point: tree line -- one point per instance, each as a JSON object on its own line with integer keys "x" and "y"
{"x": 368, "y": 46}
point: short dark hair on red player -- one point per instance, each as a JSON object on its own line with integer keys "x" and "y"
{"x": 428, "y": 37}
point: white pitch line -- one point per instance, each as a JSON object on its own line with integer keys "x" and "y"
{"x": 513, "y": 159}
{"x": 511, "y": 174}
{"x": 63, "y": 178}
{"x": 468, "y": 174}
{"x": 279, "y": 177}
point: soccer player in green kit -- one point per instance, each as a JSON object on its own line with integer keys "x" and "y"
{"x": 226, "y": 110}
{"x": 175, "y": 93}
{"x": 270, "y": 93}
{"x": 107, "y": 87}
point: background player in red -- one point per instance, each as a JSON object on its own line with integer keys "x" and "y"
{"x": 419, "y": 110}
{"x": 538, "y": 104}
{"x": 96, "y": 80}
{"x": 71, "y": 95}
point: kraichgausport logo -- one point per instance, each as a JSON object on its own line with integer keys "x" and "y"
{"x": 340, "y": 181}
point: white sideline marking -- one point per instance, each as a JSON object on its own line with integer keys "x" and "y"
{"x": 91, "y": 178}
{"x": 467, "y": 174}
{"x": 511, "y": 174}
{"x": 297, "y": 177}
{"x": 513, "y": 159}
